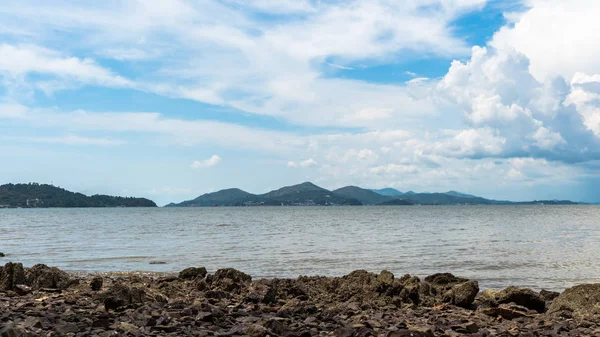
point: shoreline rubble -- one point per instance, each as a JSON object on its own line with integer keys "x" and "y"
{"x": 46, "y": 301}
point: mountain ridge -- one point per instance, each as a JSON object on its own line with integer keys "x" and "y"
{"x": 309, "y": 194}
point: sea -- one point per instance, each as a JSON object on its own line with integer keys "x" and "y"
{"x": 537, "y": 246}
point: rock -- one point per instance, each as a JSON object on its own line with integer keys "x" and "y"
{"x": 157, "y": 262}
{"x": 2, "y": 254}
{"x": 192, "y": 273}
{"x": 522, "y": 296}
{"x": 579, "y": 301}
{"x": 65, "y": 328}
{"x": 9, "y": 331}
{"x": 261, "y": 293}
{"x": 22, "y": 289}
{"x": 11, "y": 275}
{"x": 41, "y": 276}
{"x": 119, "y": 296}
{"x": 487, "y": 299}
{"x": 505, "y": 313}
{"x": 549, "y": 296}
{"x": 256, "y": 330}
{"x": 443, "y": 278}
{"x": 96, "y": 283}
{"x": 386, "y": 277}
{"x": 468, "y": 327}
{"x": 230, "y": 279}
{"x": 462, "y": 294}
{"x": 410, "y": 333}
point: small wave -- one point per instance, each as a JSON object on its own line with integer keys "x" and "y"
{"x": 116, "y": 258}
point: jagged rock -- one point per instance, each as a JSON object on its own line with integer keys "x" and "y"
{"x": 579, "y": 301}
{"x": 261, "y": 293}
{"x": 230, "y": 279}
{"x": 11, "y": 275}
{"x": 386, "y": 277}
{"x": 443, "y": 279}
{"x": 549, "y": 296}
{"x": 462, "y": 294}
{"x": 522, "y": 296}
{"x": 120, "y": 295}
{"x": 41, "y": 276}
{"x": 96, "y": 283}
{"x": 192, "y": 273}
{"x": 487, "y": 299}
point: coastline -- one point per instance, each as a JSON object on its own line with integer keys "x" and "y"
{"x": 39, "y": 300}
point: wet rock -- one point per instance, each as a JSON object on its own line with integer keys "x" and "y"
{"x": 41, "y": 276}
{"x": 96, "y": 283}
{"x": 192, "y": 273}
{"x": 522, "y": 296}
{"x": 579, "y": 301}
{"x": 11, "y": 275}
{"x": 2, "y": 254}
{"x": 462, "y": 294}
{"x": 157, "y": 262}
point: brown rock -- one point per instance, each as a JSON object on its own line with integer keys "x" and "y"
{"x": 579, "y": 301}
{"x": 96, "y": 283}
{"x": 42, "y": 276}
{"x": 522, "y": 296}
{"x": 462, "y": 294}
{"x": 192, "y": 273}
{"x": 11, "y": 275}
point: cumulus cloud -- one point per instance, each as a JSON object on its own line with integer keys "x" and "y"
{"x": 210, "y": 162}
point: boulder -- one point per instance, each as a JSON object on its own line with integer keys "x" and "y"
{"x": 192, "y": 273}
{"x": 462, "y": 294}
{"x": 579, "y": 301}
{"x": 11, "y": 275}
{"x": 521, "y": 296}
{"x": 443, "y": 279}
{"x": 41, "y": 276}
{"x": 2, "y": 254}
{"x": 487, "y": 299}
{"x": 119, "y": 296}
{"x": 260, "y": 292}
{"x": 385, "y": 277}
{"x": 230, "y": 279}
{"x": 549, "y": 296}
{"x": 96, "y": 283}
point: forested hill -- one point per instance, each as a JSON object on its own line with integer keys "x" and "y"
{"x": 42, "y": 195}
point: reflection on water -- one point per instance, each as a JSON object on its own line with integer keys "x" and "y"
{"x": 550, "y": 247}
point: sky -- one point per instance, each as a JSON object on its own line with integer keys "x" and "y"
{"x": 172, "y": 99}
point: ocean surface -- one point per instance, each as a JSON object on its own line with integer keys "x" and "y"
{"x": 551, "y": 247}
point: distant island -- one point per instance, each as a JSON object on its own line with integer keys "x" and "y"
{"x": 309, "y": 194}
{"x": 34, "y": 195}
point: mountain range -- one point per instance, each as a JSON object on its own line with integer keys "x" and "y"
{"x": 309, "y": 194}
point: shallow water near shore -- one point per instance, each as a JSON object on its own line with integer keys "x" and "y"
{"x": 551, "y": 247}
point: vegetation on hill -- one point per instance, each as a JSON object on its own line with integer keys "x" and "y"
{"x": 42, "y": 195}
{"x": 366, "y": 197}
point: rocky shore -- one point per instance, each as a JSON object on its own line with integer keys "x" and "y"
{"x": 45, "y": 301}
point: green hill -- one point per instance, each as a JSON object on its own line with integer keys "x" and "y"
{"x": 228, "y": 197}
{"x": 366, "y": 197}
{"x": 41, "y": 195}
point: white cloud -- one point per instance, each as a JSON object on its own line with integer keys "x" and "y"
{"x": 556, "y": 36}
{"x": 210, "y": 162}
{"x": 23, "y": 60}
{"x": 67, "y": 140}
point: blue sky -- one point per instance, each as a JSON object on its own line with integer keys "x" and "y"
{"x": 172, "y": 99}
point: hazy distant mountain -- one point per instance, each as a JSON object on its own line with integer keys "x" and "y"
{"x": 227, "y": 197}
{"x": 460, "y": 195}
{"x": 305, "y": 194}
{"x": 398, "y": 202}
{"x": 42, "y": 195}
{"x": 366, "y": 197}
{"x": 309, "y": 194}
{"x": 389, "y": 192}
